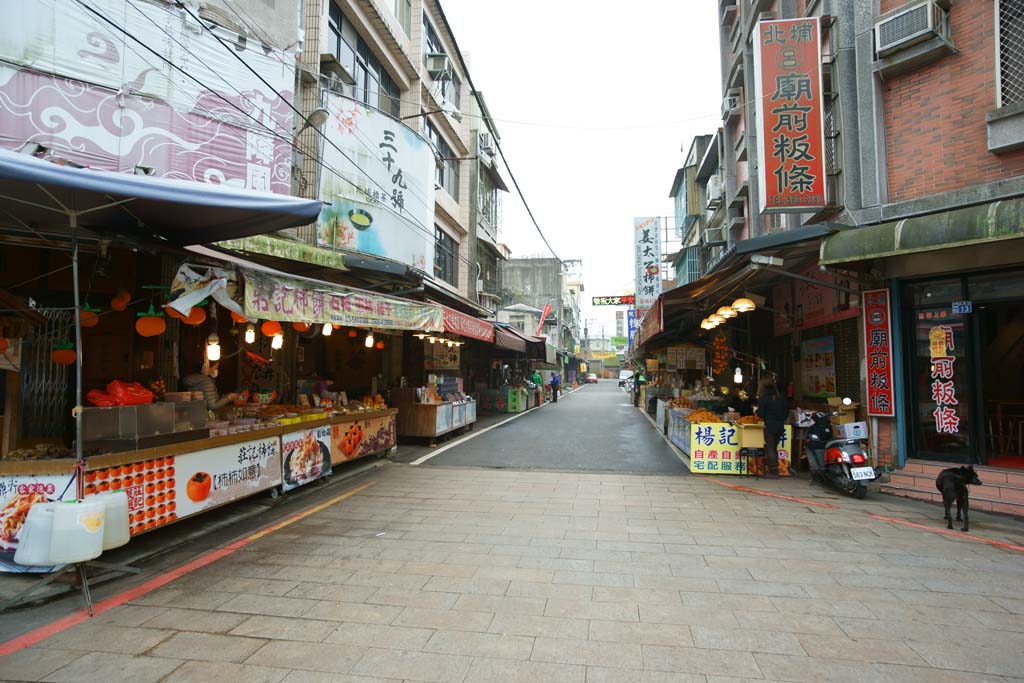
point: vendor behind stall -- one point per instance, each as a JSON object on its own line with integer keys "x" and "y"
{"x": 773, "y": 409}
{"x": 204, "y": 381}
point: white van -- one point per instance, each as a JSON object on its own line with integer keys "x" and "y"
{"x": 624, "y": 377}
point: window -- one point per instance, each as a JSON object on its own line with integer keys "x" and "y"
{"x": 403, "y": 12}
{"x": 1010, "y": 18}
{"x": 446, "y": 257}
{"x": 448, "y": 174}
{"x": 373, "y": 85}
{"x": 489, "y": 202}
{"x": 450, "y": 84}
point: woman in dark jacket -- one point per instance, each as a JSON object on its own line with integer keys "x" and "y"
{"x": 774, "y": 410}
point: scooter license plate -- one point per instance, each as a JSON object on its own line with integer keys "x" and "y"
{"x": 860, "y": 473}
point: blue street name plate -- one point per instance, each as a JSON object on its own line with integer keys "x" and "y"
{"x": 962, "y": 307}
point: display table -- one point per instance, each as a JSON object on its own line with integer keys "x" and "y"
{"x": 172, "y": 482}
{"x": 434, "y": 419}
{"x": 506, "y": 400}
{"x": 715, "y": 447}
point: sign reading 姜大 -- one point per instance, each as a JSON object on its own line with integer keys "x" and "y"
{"x": 647, "y": 243}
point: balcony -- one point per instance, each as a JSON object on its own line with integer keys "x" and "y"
{"x": 729, "y": 11}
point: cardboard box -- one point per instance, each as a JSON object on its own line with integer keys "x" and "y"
{"x": 851, "y": 430}
{"x": 751, "y": 435}
{"x": 847, "y": 414}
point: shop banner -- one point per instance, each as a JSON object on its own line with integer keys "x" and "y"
{"x": 619, "y": 342}
{"x": 819, "y": 367}
{"x": 815, "y": 305}
{"x": 626, "y": 300}
{"x": 941, "y": 345}
{"x": 790, "y": 128}
{"x": 467, "y": 326}
{"x": 652, "y": 324}
{"x": 284, "y": 299}
{"x": 378, "y": 185}
{"x": 631, "y": 324}
{"x": 307, "y": 456}
{"x": 715, "y": 449}
{"x": 878, "y": 345}
{"x": 19, "y": 492}
{"x": 351, "y": 440}
{"x": 543, "y": 316}
{"x": 438, "y": 356}
{"x": 647, "y": 246}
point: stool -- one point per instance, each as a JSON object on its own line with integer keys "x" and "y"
{"x": 759, "y": 465}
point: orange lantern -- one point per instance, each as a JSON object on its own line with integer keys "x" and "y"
{"x": 150, "y": 323}
{"x": 196, "y": 316}
{"x": 3, "y": 344}
{"x": 173, "y": 312}
{"x": 121, "y": 300}
{"x": 270, "y": 328}
{"x": 352, "y": 334}
{"x": 379, "y": 345}
{"x": 87, "y": 316}
{"x": 63, "y": 354}
{"x": 239, "y": 318}
{"x": 301, "y": 327}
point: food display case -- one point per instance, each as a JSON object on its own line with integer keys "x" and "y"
{"x": 431, "y": 419}
{"x": 127, "y": 428}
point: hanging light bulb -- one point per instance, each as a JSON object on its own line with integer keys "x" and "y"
{"x": 743, "y": 305}
{"x": 213, "y": 347}
{"x": 328, "y": 328}
{"x": 420, "y": 335}
{"x": 431, "y": 339}
{"x": 717, "y": 319}
{"x": 450, "y": 343}
{"x": 738, "y": 375}
{"x": 250, "y": 333}
{"x": 369, "y": 340}
{"x": 277, "y": 341}
{"x": 727, "y": 312}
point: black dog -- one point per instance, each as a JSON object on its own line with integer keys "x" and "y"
{"x": 953, "y": 484}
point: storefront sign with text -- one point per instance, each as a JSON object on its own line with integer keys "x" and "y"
{"x": 878, "y": 346}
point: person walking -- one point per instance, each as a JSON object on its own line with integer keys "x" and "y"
{"x": 556, "y": 384}
{"x": 538, "y": 382}
{"x": 638, "y": 381}
{"x": 773, "y": 409}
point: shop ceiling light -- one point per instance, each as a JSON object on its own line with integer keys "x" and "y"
{"x": 250, "y": 333}
{"x": 369, "y": 340}
{"x": 328, "y": 328}
{"x": 705, "y": 324}
{"x": 743, "y": 305}
{"x": 277, "y": 341}
{"x": 432, "y": 339}
{"x": 716, "y": 319}
{"x": 738, "y": 375}
{"x": 727, "y": 312}
{"x": 213, "y": 347}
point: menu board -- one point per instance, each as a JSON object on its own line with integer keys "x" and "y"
{"x": 818, "y": 359}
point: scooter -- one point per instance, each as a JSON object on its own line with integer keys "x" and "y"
{"x": 840, "y": 462}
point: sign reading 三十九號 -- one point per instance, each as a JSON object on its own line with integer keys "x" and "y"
{"x": 790, "y": 122}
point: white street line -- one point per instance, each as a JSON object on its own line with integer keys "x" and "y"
{"x": 476, "y": 433}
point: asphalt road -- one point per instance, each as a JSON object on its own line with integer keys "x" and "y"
{"x": 593, "y": 429}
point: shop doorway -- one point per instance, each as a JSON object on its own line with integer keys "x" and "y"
{"x": 1001, "y": 355}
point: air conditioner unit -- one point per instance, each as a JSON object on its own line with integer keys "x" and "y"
{"x": 438, "y": 65}
{"x": 713, "y": 192}
{"x": 486, "y": 143}
{"x": 912, "y": 25}
{"x": 330, "y": 65}
{"x": 730, "y": 107}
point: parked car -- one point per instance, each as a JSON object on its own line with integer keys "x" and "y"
{"x": 624, "y": 377}
{"x": 591, "y": 378}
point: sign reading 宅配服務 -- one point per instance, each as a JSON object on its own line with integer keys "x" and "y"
{"x": 626, "y": 300}
{"x": 647, "y": 241}
{"x": 878, "y": 345}
{"x": 790, "y": 128}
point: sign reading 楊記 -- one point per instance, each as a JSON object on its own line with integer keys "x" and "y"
{"x": 626, "y": 300}
{"x": 878, "y": 347}
{"x": 647, "y": 242}
{"x": 790, "y": 127}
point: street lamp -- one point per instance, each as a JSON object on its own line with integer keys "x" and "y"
{"x": 316, "y": 118}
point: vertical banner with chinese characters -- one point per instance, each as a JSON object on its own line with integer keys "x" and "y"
{"x": 647, "y": 241}
{"x": 790, "y": 128}
{"x": 631, "y": 324}
{"x": 941, "y": 346}
{"x": 878, "y": 346}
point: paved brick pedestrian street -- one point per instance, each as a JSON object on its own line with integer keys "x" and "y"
{"x": 467, "y": 574}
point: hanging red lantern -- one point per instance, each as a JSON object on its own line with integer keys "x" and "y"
{"x": 173, "y": 312}
{"x": 121, "y": 300}
{"x": 301, "y": 327}
{"x": 87, "y": 316}
{"x": 379, "y": 345}
{"x": 239, "y": 318}
{"x": 3, "y": 344}
{"x": 196, "y": 316}
{"x": 352, "y": 334}
{"x": 270, "y": 328}
{"x": 63, "y": 353}
{"x": 150, "y": 323}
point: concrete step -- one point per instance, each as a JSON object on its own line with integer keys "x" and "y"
{"x": 982, "y": 497}
{"x": 926, "y": 469}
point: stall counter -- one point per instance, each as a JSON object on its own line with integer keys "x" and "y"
{"x": 714, "y": 447}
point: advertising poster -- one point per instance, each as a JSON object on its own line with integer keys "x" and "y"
{"x": 351, "y": 440}
{"x": 790, "y": 122}
{"x": 878, "y": 345}
{"x": 19, "y": 492}
{"x": 306, "y": 456}
{"x": 819, "y": 367}
{"x": 647, "y": 244}
{"x": 715, "y": 449}
{"x": 814, "y": 305}
{"x": 378, "y": 183}
{"x": 439, "y": 356}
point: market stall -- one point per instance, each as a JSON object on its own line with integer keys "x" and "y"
{"x": 723, "y": 444}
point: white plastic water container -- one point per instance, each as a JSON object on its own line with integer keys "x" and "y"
{"x": 34, "y": 536}
{"x": 115, "y": 522}
{"x": 77, "y": 532}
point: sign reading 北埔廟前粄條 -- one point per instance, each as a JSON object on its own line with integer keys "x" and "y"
{"x": 790, "y": 124}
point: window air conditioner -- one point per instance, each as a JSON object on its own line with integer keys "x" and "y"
{"x": 486, "y": 143}
{"x": 914, "y": 24}
{"x": 438, "y": 65}
{"x": 730, "y": 107}
{"x": 713, "y": 191}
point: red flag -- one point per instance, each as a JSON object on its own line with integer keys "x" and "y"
{"x": 543, "y": 317}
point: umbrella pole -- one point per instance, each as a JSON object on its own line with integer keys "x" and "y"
{"x": 77, "y": 411}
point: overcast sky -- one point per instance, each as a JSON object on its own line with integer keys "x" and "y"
{"x": 593, "y": 100}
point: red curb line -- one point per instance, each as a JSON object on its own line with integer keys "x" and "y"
{"x": 745, "y": 489}
{"x": 948, "y": 532}
{"x": 75, "y": 618}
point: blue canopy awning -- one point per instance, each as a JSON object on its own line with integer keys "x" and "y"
{"x": 46, "y": 195}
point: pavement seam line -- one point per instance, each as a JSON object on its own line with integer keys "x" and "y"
{"x": 949, "y": 532}
{"x": 480, "y": 432}
{"x": 43, "y": 632}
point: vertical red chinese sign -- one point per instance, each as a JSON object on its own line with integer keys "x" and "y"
{"x": 878, "y": 344}
{"x": 790, "y": 128}
{"x": 941, "y": 346}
